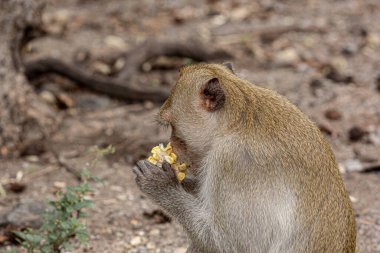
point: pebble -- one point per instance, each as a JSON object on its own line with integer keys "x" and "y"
{"x": 341, "y": 168}
{"x": 151, "y": 245}
{"x": 25, "y": 214}
{"x": 136, "y": 240}
{"x": 154, "y": 232}
{"x": 33, "y": 158}
{"x": 116, "y": 42}
{"x": 333, "y": 114}
{"x": 180, "y": 250}
{"x": 286, "y": 57}
{"x": 116, "y": 188}
{"x": 101, "y": 68}
{"x": 121, "y": 197}
{"x": 353, "y": 199}
{"x": 48, "y": 97}
{"x": 60, "y": 184}
{"x": 352, "y": 165}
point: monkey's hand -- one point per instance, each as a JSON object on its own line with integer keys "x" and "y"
{"x": 190, "y": 184}
{"x": 163, "y": 187}
{"x": 154, "y": 180}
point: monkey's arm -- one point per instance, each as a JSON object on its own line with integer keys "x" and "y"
{"x": 190, "y": 184}
{"x": 162, "y": 186}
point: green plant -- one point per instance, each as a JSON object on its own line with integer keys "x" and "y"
{"x": 64, "y": 220}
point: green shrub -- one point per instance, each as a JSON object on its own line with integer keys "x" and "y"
{"x": 64, "y": 220}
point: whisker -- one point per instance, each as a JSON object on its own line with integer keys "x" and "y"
{"x": 161, "y": 123}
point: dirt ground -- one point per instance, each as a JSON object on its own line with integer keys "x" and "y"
{"x": 327, "y": 62}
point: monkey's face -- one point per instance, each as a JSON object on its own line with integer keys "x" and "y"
{"x": 191, "y": 112}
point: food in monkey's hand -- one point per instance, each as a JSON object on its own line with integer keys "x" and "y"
{"x": 161, "y": 154}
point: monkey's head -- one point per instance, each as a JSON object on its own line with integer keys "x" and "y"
{"x": 194, "y": 108}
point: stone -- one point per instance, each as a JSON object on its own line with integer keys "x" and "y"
{"x": 353, "y": 165}
{"x": 180, "y": 250}
{"x": 287, "y": 57}
{"x": 25, "y": 214}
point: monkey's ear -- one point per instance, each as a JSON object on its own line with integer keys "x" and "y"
{"x": 212, "y": 95}
{"x": 229, "y": 66}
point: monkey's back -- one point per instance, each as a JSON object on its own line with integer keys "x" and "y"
{"x": 296, "y": 200}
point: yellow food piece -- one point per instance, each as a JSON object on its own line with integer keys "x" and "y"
{"x": 161, "y": 154}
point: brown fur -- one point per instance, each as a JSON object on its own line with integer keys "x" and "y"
{"x": 266, "y": 179}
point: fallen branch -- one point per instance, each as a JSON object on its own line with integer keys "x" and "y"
{"x": 30, "y": 27}
{"x": 26, "y": 27}
{"x": 192, "y": 49}
{"x": 102, "y": 84}
{"x": 266, "y": 33}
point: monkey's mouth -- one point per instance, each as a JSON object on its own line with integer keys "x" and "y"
{"x": 179, "y": 148}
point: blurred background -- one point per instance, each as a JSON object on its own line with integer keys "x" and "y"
{"x": 75, "y": 74}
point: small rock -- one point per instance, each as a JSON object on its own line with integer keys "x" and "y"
{"x": 4, "y": 151}
{"x": 121, "y": 197}
{"x": 353, "y": 199}
{"x": 154, "y": 232}
{"x": 116, "y": 42}
{"x": 135, "y": 223}
{"x": 62, "y": 15}
{"x": 151, "y": 245}
{"x": 116, "y": 188}
{"x": 101, "y": 68}
{"x": 373, "y": 40}
{"x": 136, "y": 241}
{"x": 287, "y": 57}
{"x": 183, "y": 14}
{"x": 341, "y": 168}
{"x": 119, "y": 64}
{"x": 32, "y": 158}
{"x": 352, "y": 165}
{"x": 48, "y": 97}
{"x": 59, "y": 185}
{"x": 239, "y": 14}
{"x": 378, "y": 83}
{"x": 180, "y": 250}
{"x": 356, "y": 133}
{"x": 148, "y": 105}
{"x": 64, "y": 101}
{"x": 219, "y": 20}
{"x": 26, "y": 214}
{"x": 333, "y": 114}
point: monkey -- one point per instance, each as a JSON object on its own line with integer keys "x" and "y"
{"x": 264, "y": 179}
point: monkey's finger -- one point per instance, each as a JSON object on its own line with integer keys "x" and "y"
{"x": 168, "y": 169}
{"x": 137, "y": 171}
{"x": 166, "y": 166}
{"x": 143, "y": 166}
